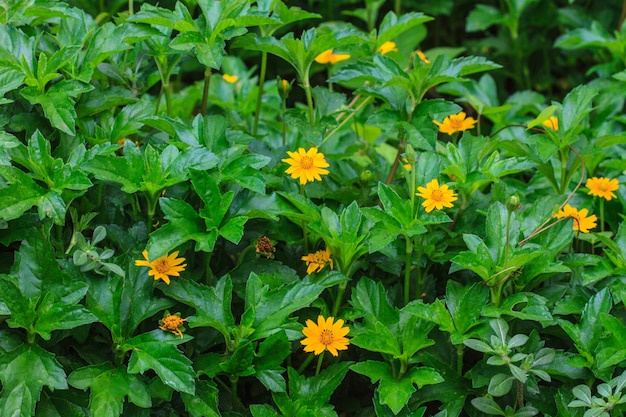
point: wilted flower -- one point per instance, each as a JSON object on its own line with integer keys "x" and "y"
{"x": 172, "y": 323}
{"x": 325, "y": 336}
{"x": 318, "y": 260}
{"x": 265, "y": 247}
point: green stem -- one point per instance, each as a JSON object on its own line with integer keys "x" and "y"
{"x": 305, "y": 239}
{"x": 341, "y": 289}
{"x": 459, "y": 358}
{"x": 407, "y": 269}
{"x": 309, "y": 101}
{"x": 131, "y": 7}
{"x": 205, "y": 91}
{"x": 419, "y": 276}
{"x": 397, "y": 7}
{"x": 283, "y": 111}
{"x": 564, "y": 158}
{"x": 506, "y": 243}
{"x": 601, "y": 214}
{"x": 259, "y": 97}
{"x": 349, "y": 117}
{"x": 233, "y": 392}
{"x": 320, "y": 359}
{"x": 306, "y": 363}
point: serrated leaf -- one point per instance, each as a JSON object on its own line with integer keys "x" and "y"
{"x": 205, "y": 401}
{"x": 157, "y": 351}
{"x": 24, "y": 372}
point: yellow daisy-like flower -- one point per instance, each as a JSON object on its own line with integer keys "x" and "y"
{"x": 306, "y": 165}
{"x": 582, "y": 223}
{"x": 163, "y": 267}
{"x": 172, "y": 323}
{"x": 455, "y": 123}
{"x": 318, "y": 260}
{"x": 552, "y": 123}
{"x": 436, "y": 197}
{"x": 230, "y": 78}
{"x": 325, "y": 336}
{"x": 422, "y": 57}
{"x": 328, "y": 57}
{"x": 387, "y": 47}
{"x": 602, "y": 187}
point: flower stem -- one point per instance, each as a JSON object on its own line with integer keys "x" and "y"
{"x": 320, "y": 359}
{"x": 341, "y": 289}
{"x": 309, "y": 100}
{"x": 259, "y": 97}
{"x": 205, "y": 91}
{"x": 305, "y": 239}
{"x": 601, "y": 214}
{"x": 306, "y": 363}
{"x": 459, "y": 359}
{"x": 130, "y": 7}
{"x": 345, "y": 121}
{"x": 407, "y": 269}
{"x": 282, "y": 116}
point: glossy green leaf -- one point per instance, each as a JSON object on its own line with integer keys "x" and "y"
{"x": 24, "y": 372}
{"x": 204, "y": 403}
{"x": 157, "y": 351}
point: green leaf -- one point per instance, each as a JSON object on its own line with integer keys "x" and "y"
{"x": 379, "y": 339}
{"x": 24, "y": 372}
{"x": 109, "y": 385}
{"x": 157, "y": 351}
{"x": 393, "y": 26}
{"x": 317, "y": 390}
{"x": 500, "y": 384}
{"x": 212, "y": 304}
{"x": 482, "y": 17}
{"x": 370, "y": 300}
{"x": 204, "y": 403}
{"x": 488, "y": 406}
{"x": 465, "y": 304}
{"x": 20, "y": 193}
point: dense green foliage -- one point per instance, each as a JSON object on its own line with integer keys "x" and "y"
{"x": 137, "y": 134}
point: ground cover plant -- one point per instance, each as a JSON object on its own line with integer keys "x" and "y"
{"x": 322, "y": 208}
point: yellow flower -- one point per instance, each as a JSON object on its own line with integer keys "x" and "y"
{"x": 602, "y": 187}
{"x": 163, "y": 267}
{"x": 172, "y": 323}
{"x": 306, "y": 165}
{"x": 328, "y": 57}
{"x": 552, "y": 123}
{"x": 325, "y": 336}
{"x": 387, "y": 47}
{"x": 455, "y": 123}
{"x": 406, "y": 164}
{"x": 318, "y": 260}
{"x": 582, "y": 223}
{"x": 436, "y": 197}
{"x": 230, "y": 78}
{"x": 422, "y": 57}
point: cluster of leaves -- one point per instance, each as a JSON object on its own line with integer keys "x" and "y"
{"x": 120, "y": 135}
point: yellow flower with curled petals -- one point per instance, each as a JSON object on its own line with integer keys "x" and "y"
{"x": 602, "y": 187}
{"x": 455, "y": 123}
{"x": 318, "y": 260}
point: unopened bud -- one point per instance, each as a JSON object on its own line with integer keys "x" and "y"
{"x": 513, "y": 203}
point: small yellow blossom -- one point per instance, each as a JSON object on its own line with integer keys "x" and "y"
{"x": 172, "y": 323}
{"x": 602, "y": 187}
{"x": 318, "y": 260}
{"x": 552, "y": 123}
{"x": 325, "y": 336}
{"x": 436, "y": 197}
{"x": 387, "y": 47}
{"x": 230, "y": 78}
{"x": 582, "y": 222}
{"x": 306, "y": 165}
{"x": 163, "y": 267}
{"x": 422, "y": 57}
{"x": 328, "y": 57}
{"x": 455, "y": 123}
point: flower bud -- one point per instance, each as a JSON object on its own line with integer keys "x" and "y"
{"x": 284, "y": 87}
{"x": 513, "y": 203}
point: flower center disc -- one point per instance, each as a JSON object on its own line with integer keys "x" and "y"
{"x": 327, "y": 337}
{"x": 162, "y": 266}
{"x": 436, "y": 195}
{"x": 306, "y": 162}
